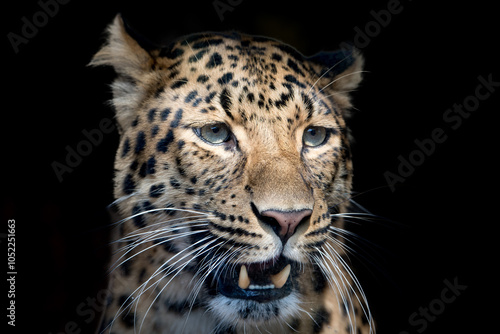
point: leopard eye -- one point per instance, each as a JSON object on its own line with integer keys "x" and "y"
{"x": 314, "y": 136}
{"x": 216, "y": 133}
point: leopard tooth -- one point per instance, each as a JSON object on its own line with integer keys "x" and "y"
{"x": 243, "y": 280}
{"x": 280, "y": 278}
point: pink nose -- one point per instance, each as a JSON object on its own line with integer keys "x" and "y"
{"x": 288, "y": 221}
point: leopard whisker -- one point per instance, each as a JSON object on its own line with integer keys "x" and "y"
{"x": 142, "y": 288}
{"x": 163, "y": 230}
{"x": 190, "y": 48}
{"x": 224, "y": 259}
{"x": 199, "y": 284}
{"x": 342, "y": 245}
{"x": 155, "y": 235}
{"x": 179, "y": 270}
{"x": 356, "y": 215}
{"x": 340, "y": 78}
{"x": 326, "y": 72}
{"x": 348, "y": 235}
{"x": 158, "y": 238}
{"x": 340, "y": 285}
{"x": 180, "y": 235}
{"x": 157, "y": 210}
{"x": 363, "y": 302}
{"x": 166, "y": 270}
{"x": 330, "y": 275}
{"x": 122, "y": 198}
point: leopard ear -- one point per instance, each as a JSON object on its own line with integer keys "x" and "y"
{"x": 339, "y": 71}
{"x": 123, "y": 52}
{"x": 132, "y": 63}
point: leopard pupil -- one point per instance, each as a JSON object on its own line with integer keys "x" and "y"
{"x": 314, "y": 136}
{"x": 214, "y": 133}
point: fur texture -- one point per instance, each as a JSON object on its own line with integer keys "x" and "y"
{"x": 234, "y": 152}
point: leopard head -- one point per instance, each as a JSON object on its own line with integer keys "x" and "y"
{"x": 233, "y": 170}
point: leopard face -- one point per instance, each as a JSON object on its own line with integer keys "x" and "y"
{"x": 232, "y": 171}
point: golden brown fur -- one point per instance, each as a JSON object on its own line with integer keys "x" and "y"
{"x": 193, "y": 211}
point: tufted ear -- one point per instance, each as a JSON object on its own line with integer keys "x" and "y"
{"x": 131, "y": 62}
{"x": 122, "y": 52}
{"x": 339, "y": 72}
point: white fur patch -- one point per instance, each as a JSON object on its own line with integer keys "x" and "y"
{"x": 248, "y": 314}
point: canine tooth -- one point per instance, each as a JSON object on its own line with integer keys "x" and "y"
{"x": 244, "y": 280}
{"x": 280, "y": 278}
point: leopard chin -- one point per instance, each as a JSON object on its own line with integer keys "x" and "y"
{"x": 236, "y": 312}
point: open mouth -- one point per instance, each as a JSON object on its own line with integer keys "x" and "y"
{"x": 262, "y": 282}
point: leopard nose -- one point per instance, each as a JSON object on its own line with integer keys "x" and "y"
{"x": 284, "y": 223}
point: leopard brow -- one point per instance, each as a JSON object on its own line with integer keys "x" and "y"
{"x": 199, "y": 124}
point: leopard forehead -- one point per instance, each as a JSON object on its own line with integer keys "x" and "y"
{"x": 238, "y": 78}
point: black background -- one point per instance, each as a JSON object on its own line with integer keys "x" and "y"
{"x": 440, "y": 224}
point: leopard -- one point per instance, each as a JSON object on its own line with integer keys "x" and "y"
{"x": 232, "y": 183}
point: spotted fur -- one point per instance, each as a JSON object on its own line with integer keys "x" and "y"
{"x": 192, "y": 211}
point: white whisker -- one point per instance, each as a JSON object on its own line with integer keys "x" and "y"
{"x": 341, "y": 77}
{"x": 158, "y": 210}
{"x": 326, "y": 72}
{"x": 165, "y": 267}
{"x": 180, "y": 235}
{"x": 179, "y": 270}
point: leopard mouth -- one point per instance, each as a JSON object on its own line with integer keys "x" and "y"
{"x": 262, "y": 282}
